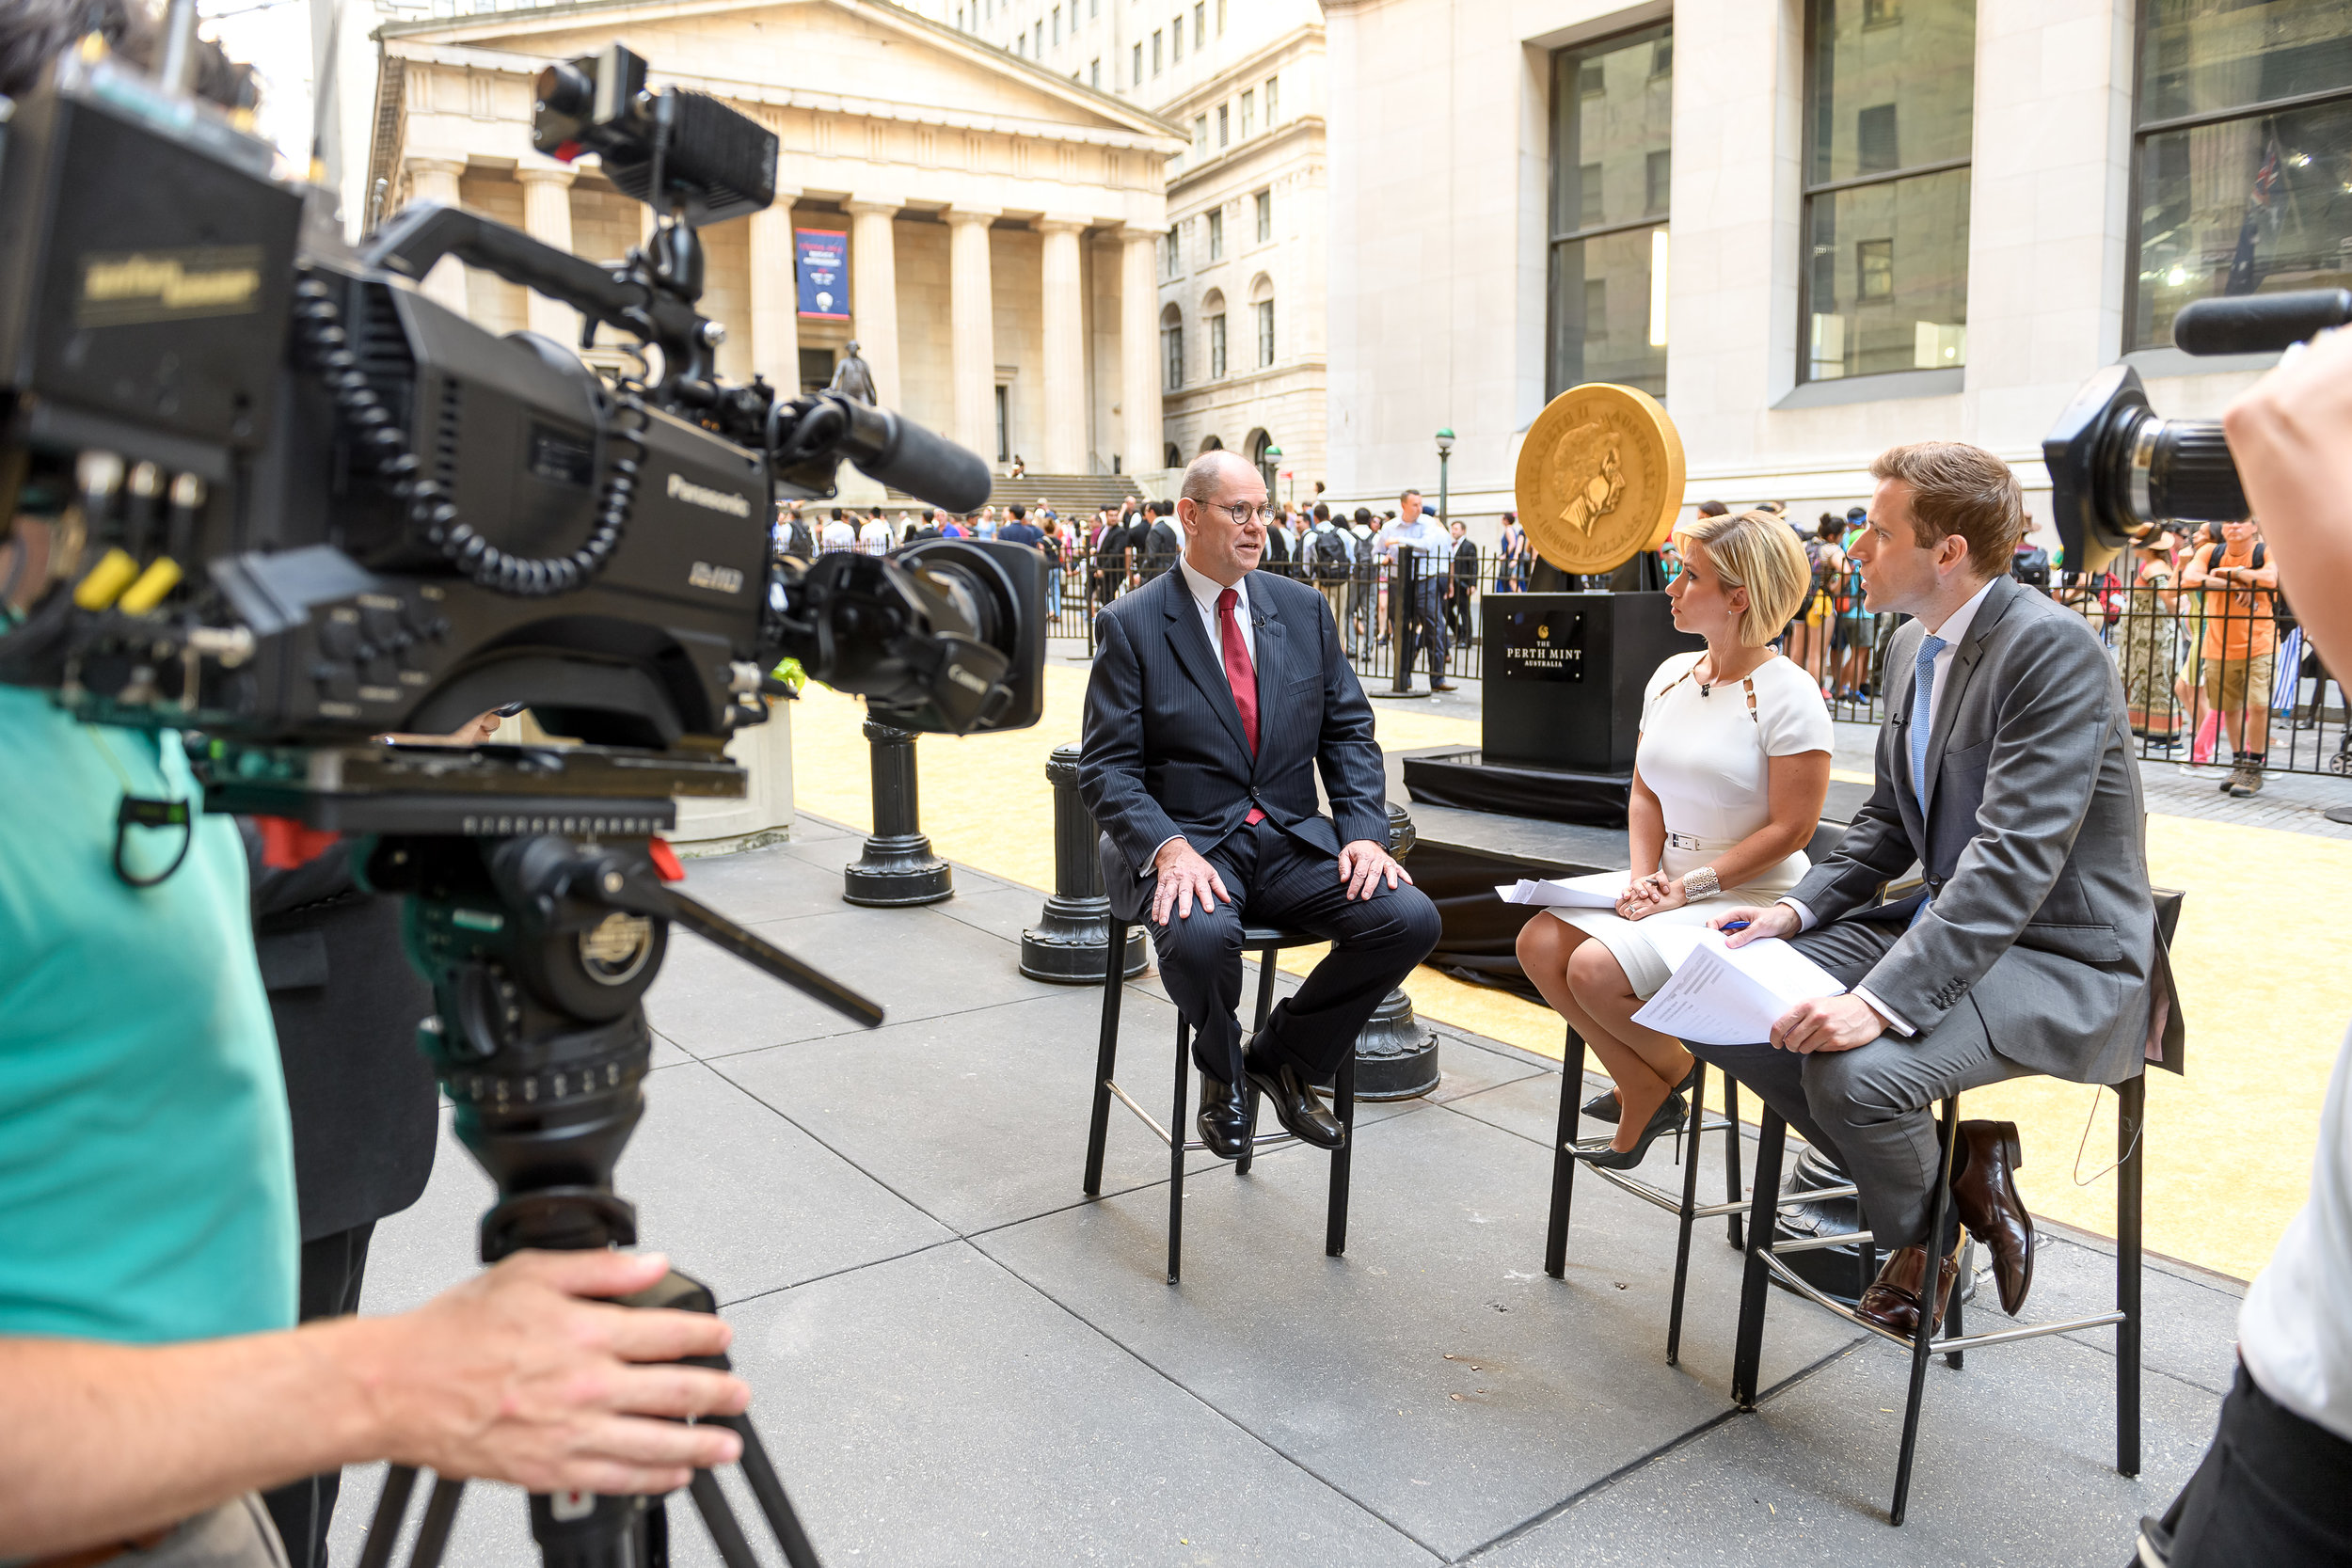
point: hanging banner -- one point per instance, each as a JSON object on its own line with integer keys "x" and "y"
{"x": 822, "y": 257}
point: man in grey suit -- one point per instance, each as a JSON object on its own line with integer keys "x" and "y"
{"x": 2006, "y": 773}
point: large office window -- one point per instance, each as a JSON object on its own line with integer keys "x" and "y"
{"x": 1889, "y": 92}
{"x": 1172, "y": 343}
{"x": 1216, "y": 339}
{"x": 1611, "y": 135}
{"x": 1216, "y": 233}
{"x": 2242, "y": 155}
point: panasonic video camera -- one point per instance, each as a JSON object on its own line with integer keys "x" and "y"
{"x": 263, "y": 487}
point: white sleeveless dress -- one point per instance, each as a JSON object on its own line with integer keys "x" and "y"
{"x": 1704, "y": 754}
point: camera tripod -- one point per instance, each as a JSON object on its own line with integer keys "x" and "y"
{"x": 540, "y": 949}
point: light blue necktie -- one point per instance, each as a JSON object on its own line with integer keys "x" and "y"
{"x": 1922, "y": 723}
{"x": 1923, "y": 716}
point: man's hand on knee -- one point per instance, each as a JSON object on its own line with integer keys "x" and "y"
{"x": 512, "y": 1375}
{"x": 1828, "y": 1023}
{"x": 1365, "y": 865}
{"x": 1186, "y": 877}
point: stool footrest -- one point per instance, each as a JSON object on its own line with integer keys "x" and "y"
{"x": 1192, "y": 1145}
{"x": 1814, "y": 1243}
{"x": 1805, "y": 1288}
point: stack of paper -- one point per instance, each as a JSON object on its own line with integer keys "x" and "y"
{"x": 1600, "y": 890}
{"x": 1723, "y": 995}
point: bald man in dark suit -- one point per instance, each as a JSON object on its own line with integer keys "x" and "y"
{"x": 1219, "y": 694}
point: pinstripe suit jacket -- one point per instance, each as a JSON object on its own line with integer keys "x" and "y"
{"x": 1165, "y": 753}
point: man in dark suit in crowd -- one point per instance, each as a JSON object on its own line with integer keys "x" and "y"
{"x": 2004, "y": 770}
{"x": 1219, "y": 693}
{"x": 1158, "y": 546}
{"x": 1017, "y": 530}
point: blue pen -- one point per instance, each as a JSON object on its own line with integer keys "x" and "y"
{"x": 1735, "y": 926}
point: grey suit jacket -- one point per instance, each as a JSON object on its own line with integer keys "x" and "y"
{"x": 2031, "y": 839}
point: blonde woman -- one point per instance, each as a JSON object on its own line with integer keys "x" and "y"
{"x": 1727, "y": 786}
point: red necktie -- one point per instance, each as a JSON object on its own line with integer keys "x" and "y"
{"x": 1239, "y": 675}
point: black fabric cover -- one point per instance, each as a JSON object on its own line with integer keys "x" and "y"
{"x": 1462, "y": 780}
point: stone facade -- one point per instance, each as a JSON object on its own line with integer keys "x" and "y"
{"x": 1003, "y": 220}
{"x": 1445, "y": 324}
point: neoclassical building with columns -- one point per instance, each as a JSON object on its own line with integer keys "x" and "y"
{"x": 1003, "y": 220}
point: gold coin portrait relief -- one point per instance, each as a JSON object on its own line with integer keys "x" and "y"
{"x": 1599, "y": 477}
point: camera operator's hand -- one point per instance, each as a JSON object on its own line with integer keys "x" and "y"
{"x": 512, "y": 1376}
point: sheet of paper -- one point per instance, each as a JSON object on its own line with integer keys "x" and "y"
{"x": 1598, "y": 891}
{"x": 1723, "y": 995}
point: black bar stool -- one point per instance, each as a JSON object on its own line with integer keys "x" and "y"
{"x": 1764, "y": 1264}
{"x": 1266, "y": 941}
{"x": 1685, "y": 1206}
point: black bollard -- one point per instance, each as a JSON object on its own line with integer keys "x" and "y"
{"x": 898, "y": 867}
{"x": 1068, "y": 944}
{"x": 1403, "y": 588}
{"x": 1396, "y": 1059}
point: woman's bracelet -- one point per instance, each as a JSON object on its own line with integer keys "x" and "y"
{"x": 1700, "y": 884}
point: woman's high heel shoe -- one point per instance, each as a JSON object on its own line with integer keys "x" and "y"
{"x": 1669, "y": 1118}
{"x": 1603, "y": 1106}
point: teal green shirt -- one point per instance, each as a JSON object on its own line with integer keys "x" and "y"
{"x": 146, "y": 1164}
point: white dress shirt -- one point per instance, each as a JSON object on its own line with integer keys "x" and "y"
{"x": 1954, "y": 631}
{"x": 1204, "y": 589}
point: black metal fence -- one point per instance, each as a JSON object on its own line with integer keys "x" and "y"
{"x": 2208, "y": 674}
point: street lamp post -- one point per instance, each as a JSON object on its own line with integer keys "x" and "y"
{"x": 1273, "y": 460}
{"x": 1445, "y": 449}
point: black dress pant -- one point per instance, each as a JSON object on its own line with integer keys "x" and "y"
{"x": 1277, "y": 880}
{"x": 2271, "y": 1493}
{"x": 331, "y": 1270}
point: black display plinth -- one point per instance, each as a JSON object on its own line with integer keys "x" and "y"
{"x": 1468, "y": 781}
{"x": 1565, "y": 677}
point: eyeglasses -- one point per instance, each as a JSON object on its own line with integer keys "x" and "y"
{"x": 1249, "y": 513}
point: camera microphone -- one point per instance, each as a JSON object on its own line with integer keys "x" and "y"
{"x": 2258, "y": 323}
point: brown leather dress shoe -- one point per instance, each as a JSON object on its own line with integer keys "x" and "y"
{"x": 1892, "y": 1301}
{"x": 1985, "y": 1185}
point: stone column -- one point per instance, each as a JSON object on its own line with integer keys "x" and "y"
{"x": 874, "y": 291}
{"x": 435, "y": 180}
{"x": 1064, "y": 315}
{"x": 1140, "y": 352}
{"x": 548, "y": 219}
{"x": 775, "y": 296}
{"x": 972, "y": 328}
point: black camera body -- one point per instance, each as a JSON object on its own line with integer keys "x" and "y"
{"x": 2118, "y": 469}
{"x": 293, "y": 502}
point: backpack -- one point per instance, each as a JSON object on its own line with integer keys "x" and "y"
{"x": 1333, "y": 558}
{"x": 1812, "y": 579}
{"x": 2031, "y": 567}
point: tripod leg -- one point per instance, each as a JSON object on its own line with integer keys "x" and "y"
{"x": 719, "y": 1518}
{"x": 440, "y": 1511}
{"x": 400, "y": 1481}
{"x": 769, "y": 1491}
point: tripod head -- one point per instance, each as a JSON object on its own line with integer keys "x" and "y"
{"x": 540, "y": 948}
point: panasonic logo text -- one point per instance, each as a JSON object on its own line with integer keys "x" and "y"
{"x": 723, "y": 579}
{"x": 684, "y": 489}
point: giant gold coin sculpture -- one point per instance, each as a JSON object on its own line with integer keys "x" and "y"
{"x": 1600, "y": 478}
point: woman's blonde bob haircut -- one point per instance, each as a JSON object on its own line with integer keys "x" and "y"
{"x": 1756, "y": 552}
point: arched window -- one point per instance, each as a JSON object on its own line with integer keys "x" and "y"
{"x": 1261, "y": 308}
{"x": 1213, "y": 308}
{"x": 1174, "y": 459}
{"x": 1210, "y": 444}
{"x": 1173, "y": 345}
{"x": 1259, "y": 445}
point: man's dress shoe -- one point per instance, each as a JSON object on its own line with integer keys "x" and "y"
{"x": 1296, "y": 1105}
{"x": 1892, "y": 1301}
{"x": 1985, "y": 1185}
{"x": 1224, "y": 1118}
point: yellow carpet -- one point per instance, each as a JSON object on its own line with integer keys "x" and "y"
{"x": 2260, "y": 957}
